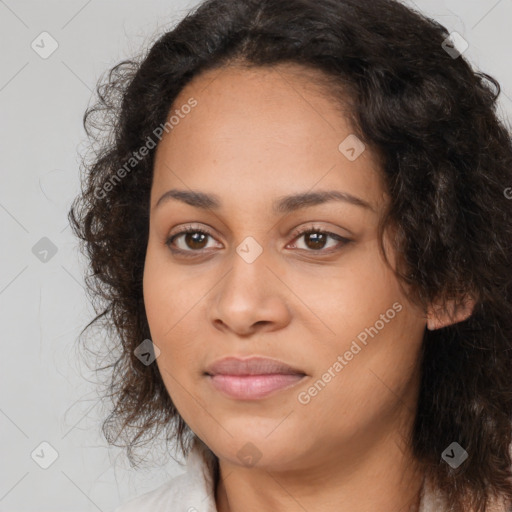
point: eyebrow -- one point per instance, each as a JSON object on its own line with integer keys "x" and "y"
{"x": 283, "y": 204}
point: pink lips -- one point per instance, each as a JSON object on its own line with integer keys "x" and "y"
{"x": 252, "y": 378}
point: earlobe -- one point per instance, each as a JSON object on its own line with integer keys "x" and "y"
{"x": 450, "y": 313}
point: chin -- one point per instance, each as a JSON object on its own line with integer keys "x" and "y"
{"x": 259, "y": 450}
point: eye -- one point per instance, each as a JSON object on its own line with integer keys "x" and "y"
{"x": 315, "y": 239}
{"x": 192, "y": 240}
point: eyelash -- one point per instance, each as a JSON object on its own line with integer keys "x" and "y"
{"x": 297, "y": 234}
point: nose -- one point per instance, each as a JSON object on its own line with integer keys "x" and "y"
{"x": 250, "y": 298}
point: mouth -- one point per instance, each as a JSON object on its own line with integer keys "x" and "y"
{"x": 252, "y": 378}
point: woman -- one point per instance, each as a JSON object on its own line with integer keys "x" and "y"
{"x": 300, "y": 227}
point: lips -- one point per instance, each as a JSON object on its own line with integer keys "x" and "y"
{"x": 252, "y": 378}
{"x": 251, "y": 366}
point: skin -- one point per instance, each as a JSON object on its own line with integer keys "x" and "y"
{"x": 256, "y": 135}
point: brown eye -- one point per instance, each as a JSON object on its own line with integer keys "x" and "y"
{"x": 188, "y": 240}
{"x": 195, "y": 240}
{"x": 316, "y": 239}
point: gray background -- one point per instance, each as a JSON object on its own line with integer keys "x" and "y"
{"x": 46, "y": 393}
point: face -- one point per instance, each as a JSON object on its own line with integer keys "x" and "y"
{"x": 301, "y": 282}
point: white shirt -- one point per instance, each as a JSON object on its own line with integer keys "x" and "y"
{"x": 194, "y": 491}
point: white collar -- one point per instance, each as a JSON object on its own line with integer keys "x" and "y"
{"x": 192, "y": 491}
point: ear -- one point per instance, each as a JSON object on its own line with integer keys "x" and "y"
{"x": 439, "y": 315}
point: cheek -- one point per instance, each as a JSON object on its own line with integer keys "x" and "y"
{"x": 378, "y": 334}
{"x": 155, "y": 301}
{"x": 356, "y": 292}
{"x": 371, "y": 383}
{"x": 167, "y": 297}
{"x": 176, "y": 335}
{"x": 166, "y": 313}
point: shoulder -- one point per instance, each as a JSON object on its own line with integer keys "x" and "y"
{"x": 192, "y": 491}
{"x": 162, "y": 498}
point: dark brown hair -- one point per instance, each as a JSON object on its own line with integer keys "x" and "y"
{"x": 447, "y": 164}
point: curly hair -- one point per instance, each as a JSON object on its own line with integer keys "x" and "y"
{"x": 446, "y": 162}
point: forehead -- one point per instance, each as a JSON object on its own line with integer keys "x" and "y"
{"x": 260, "y": 130}
{"x": 283, "y": 101}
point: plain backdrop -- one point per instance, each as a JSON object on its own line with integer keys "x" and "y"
{"x": 46, "y": 392}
